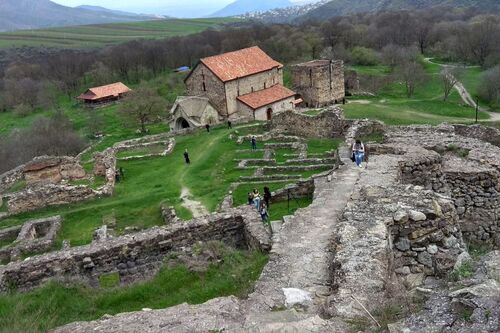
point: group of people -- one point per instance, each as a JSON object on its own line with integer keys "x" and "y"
{"x": 261, "y": 203}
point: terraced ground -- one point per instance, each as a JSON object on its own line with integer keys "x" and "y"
{"x": 150, "y": 181}
{"x": 99, "y": 35}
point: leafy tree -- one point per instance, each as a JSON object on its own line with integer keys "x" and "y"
{"x": 142, "y": 106}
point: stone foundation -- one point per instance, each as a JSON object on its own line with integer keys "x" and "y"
{"x": 136, "y": 256}
{"x": 33, "y": 237}
{"x": 328, "y": 124}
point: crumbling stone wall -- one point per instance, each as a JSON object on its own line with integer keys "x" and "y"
{"x": 137, "y": 256}
{"x": 48, "y": 169}
{"x": 483, "y": 133}
{"x": 423, "y": 167}
{"x": 301, "y": 189}
{"x": 475, "y": 194}
{"x": 319, "y": 82}
{"x": 48, "y": 195}
{"x": 427, "y": 240}
{"x": 33, "y": 236}
{"x": 328, "y": 124}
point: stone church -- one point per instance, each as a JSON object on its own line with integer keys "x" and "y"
{"x": 244, "y": 84}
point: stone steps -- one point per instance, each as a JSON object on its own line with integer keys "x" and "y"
{"x": 301, "y": 256}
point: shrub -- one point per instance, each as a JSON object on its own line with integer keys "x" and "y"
{"x": 364, "y": 56}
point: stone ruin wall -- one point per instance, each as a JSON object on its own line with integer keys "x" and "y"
{"x": 328, "y": 124}
{"x": 136, "y": 256}
{"x": 34, "y": 236}
{"x": 319, "y": 82}
{"x": 483, "y": 133}
{"x": 472, "y": 182}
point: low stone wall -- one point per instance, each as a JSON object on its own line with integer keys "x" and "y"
{"x": 47, "y": 195}
{"x": 483, "y": 133}
{"x": 34, "y": 236}
{"x": 9, "y": 178}
{"x": 328, "y": 124}
{"x": 422, "y": 167}
{"x": 137, "y": 256}
{"x": 301, "y": 189}
{"x": 363, "y": 128}
{"x": 475, "y": 194}
{"x": 427, "y": 240}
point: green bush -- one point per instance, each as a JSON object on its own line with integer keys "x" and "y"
{"x": 364, "y": 56}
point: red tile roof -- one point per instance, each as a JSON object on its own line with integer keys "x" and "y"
{"x": 232, "y": 65}
{"x": 110, "y": 90}
{"x": 265, "y": 97}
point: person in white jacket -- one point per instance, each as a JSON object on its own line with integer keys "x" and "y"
{"x": 358, "y": 150}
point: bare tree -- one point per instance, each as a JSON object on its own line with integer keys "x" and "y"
{"x": 450, "y": 76}
{"x": 411, "y": 74}
{"x": 489, "y": 88}
{"x": 141, "y": 107}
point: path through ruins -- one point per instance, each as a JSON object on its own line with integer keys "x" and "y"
{"x": 196, "y": 207}
{"x": 301, "y": 254}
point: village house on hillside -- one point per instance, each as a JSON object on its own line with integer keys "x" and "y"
{"x": 104, "y": 94}
{"x": 244, "y": 84}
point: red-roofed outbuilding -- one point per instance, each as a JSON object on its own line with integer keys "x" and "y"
{"x": 104, "y": 94}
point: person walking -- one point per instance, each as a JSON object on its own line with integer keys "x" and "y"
{"x": 267, "y": 196}
{"x": 254, "y": 143}
{"x": 264, "y": 215}
{"x": 250, "y": 198}
{"x": 358, "y": 151}
{"x": 186, "y": 157}
{"x": 207, "y": 126}
{"x": 256, "y": 199}
{"x": 229, "y": 124}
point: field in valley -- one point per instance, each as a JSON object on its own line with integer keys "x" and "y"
{"x": 99, "y": 35}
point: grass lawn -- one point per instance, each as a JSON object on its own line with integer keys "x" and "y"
{"x": 426, "y": 106}
{"x": 100, "y": 35}
{"x": 56, "y": 304}
{"x": 318, "y": 145}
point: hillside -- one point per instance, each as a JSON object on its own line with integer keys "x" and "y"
{"x": 247, "y": 6}
{"x": 346, "y": 7}
{"x": 32, "y": 14}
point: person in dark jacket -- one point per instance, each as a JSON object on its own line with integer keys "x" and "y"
{"x": 267, "y": 196}
{"x": 207, "y": 126}
{"x": 186, "y": 157}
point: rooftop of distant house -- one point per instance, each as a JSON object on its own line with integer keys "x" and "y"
{"x": 232, "y": 65}
{"x": 110, "y": 90}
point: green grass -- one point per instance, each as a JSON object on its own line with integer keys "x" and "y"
{"x": 279, "y": 154}
{"x": 141, "y": 151}
{"x": 7, "y": 241}
{"x": 371, "y": 70}
{"x": 426, "y": 106}
{"x": 317, "y": 145}
{"x": 150, "y": 181}
{"x": 99, "y": 35}
{"x": 56, "y": 304}
{"x": 18, "y": 186}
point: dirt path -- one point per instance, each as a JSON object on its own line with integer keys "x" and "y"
{"x": 196, "y": 207}
{"x": 465, "y": 95}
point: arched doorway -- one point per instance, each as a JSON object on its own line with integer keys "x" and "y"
{"x": 269, "y": 114}
{"x": 181, "y": 123}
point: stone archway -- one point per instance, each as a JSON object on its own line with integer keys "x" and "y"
{"x": 181, "y": 123}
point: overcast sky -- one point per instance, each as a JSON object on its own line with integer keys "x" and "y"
{"x": 184, "y": 8}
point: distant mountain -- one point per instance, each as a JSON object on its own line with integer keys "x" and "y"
{"x": 347, "y": 7}
{"x": 33, "y": 14}
{"x": 112, "y": 11}
{"x": 240, "y": 7}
